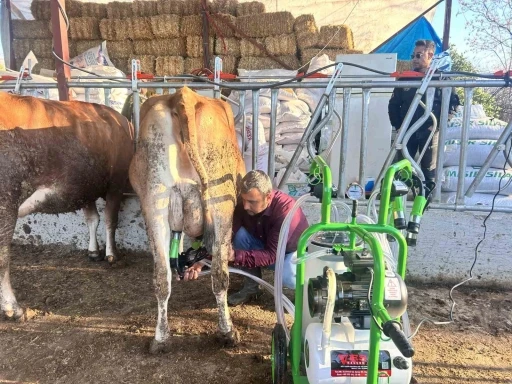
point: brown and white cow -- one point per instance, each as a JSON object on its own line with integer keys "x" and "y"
{"x": 186, "y": 171}
{"x": 58, "y": 157}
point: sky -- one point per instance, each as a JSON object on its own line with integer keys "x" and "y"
{"x": 458, "y": 34}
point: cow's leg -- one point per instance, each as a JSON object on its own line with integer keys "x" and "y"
{"x": 156, "y": 215}
{"x": 221, "y": 249}
{"x": 9, "y": 307}
{"x": 92, "y": 218}
{"x": 111, "y": 219}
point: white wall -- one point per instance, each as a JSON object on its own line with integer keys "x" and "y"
{"x": 445, "y": 248}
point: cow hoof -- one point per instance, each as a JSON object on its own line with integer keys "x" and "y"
{"x": 157, "y": 347}
{"x": 111, "y": 259}
{"x": 230, "y": 339}
{"x": 16, "y": 314}
{"x": 96, "y": 256}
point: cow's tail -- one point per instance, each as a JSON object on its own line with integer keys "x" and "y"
{"x": 190, "y": 139}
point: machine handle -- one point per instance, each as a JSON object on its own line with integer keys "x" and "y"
{"x": 392, "y": 329}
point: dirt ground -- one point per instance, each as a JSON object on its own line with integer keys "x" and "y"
{"x": 93, "y": 324}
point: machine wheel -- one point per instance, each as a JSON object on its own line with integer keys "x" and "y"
{"x": 279, "y": 355}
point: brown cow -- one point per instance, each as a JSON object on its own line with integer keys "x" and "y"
{"x": 186, "y": 171}
{"x": 59, "y": 157}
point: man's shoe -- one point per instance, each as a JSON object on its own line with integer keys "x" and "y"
{"x": 245, "y": 295}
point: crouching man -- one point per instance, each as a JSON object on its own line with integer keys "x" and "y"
{"x": 257, "y": 222}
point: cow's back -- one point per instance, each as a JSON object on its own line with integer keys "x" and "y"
{"x": 73, "y": 148}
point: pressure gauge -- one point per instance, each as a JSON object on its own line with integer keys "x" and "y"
{"x": 355, "y": 191}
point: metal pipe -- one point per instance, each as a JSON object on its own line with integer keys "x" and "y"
{"x": 364, "y": 135}
{"x": 308, "y": 85}
{"x": 344, "y": 140}
{"x": 500, "y": 144}
{"x": 255, "y": 126}
{"x": 432, "y": 133}
{"x": 106, "y": 92}
{"x": 443, "y": 126}
{"x": 272, "y": 134}
{"x": 446, "y": 29}
{"x": 466, "y": 117}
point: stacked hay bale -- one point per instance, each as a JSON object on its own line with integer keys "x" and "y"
{"x": 331, "y": 39}
{"x": 166, "y": 35}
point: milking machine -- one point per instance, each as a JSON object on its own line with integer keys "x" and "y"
{"x": 350, "y": 295}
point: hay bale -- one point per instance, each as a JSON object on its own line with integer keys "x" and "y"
{"x": 282, "y": 45}
{"x": 84, "y": 45}
{"x": 305, "y": 24}
{"x": 73, "y": 8}
{"x": 115, "y": 29}
{"x": 84, "y": 28}
{"x": 169, "y": 66}
{"x": 229, "y": 47}
{"x": 169, "y": 7}
{"x": 140, "y": 28}
{"x": 21, "y": 48}
{"x": 121, "y": 64}
{"x": 191, "y": 25}
{"x": 403, "y": 65}
{"x": 195, "y": 46}
{"x": 250, "y": 8}
{"x": 160, "y": 47}
{"x": 144, "y": 8}
{"x": 193, "y": 63}
{"x": 224, "y": 6}
{"x": 229, "y": 63}
{"x": 193, "y": 7}
{"x": 28, "y": 29}
{"x": 266, "y": 24}
{"x": 96, "y": 10}
{"x": 42, "y": 48}
{"x": 120, "y": 49}
{"x": 147, "y": 63}
{"x": 307, "y": 40}
{"x": 247, "y": 48}
{"x": 220, "y": 25}
{"x": 119, "y": 10}
{"x": 40, "y": 9}
{"x": 43, "y": 63}
{"x": 251, "y": 62}
{"x": 309, "y": 53}
{"x": 336, "y": 36}
{"x": 165, "y": 26}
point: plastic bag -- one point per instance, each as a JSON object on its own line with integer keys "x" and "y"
{"x": 94, "y": 56}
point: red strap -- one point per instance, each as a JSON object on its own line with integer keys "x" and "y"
{"x": 223, "y": 76}
{"x": 407, "y": 74}
{"x": 317, "y": 75}
{"x": 141, "y": 76}
{"x": 502, "y": 73}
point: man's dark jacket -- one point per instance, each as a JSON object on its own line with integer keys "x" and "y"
{"x": 402, "y": 98}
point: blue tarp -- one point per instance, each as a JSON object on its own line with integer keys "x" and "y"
{"x": 403, "y": 43}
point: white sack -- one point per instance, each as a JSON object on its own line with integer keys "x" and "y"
{"x": 489, "y": 183}
{"x": 477, "y": 152}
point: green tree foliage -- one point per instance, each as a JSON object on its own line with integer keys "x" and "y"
{"x": 480, "y": 96}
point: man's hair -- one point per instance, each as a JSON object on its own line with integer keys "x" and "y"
{"x": 428, "y": 44}
{"x": 257, "y": 179}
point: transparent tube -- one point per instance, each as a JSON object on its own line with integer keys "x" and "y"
{"x": 281, "y": 250}
{"x": 371, "y": 210}
{"x": 290, "y": 308}
{"x": 311, "y": 256}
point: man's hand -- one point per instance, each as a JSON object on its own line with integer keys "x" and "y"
{"x": 231, "y": 256}
{"x": 193, "y": 272}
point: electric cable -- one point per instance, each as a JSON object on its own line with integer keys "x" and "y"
{"x": 452, "y": 308}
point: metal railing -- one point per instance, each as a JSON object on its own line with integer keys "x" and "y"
{"x": 325, "y": 109}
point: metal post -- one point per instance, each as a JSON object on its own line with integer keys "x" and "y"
{"x": 216, "y": 77}
{"x": 443, "y": 125}
{"x": 255, "y": 126}
{"x": 364, "y": 135}
{"x": 206, "y": 36}
{"x": 468, "y": 99}
{"x": 60, "y": 45}
{"x": 447, "y": 19}
{"x": 12, "y": 65}
{"x": 344, "y": 140}
{"x": 136, "y": 100}
{"x": 272, "y": 135}
{"x": 499, "y": 146}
